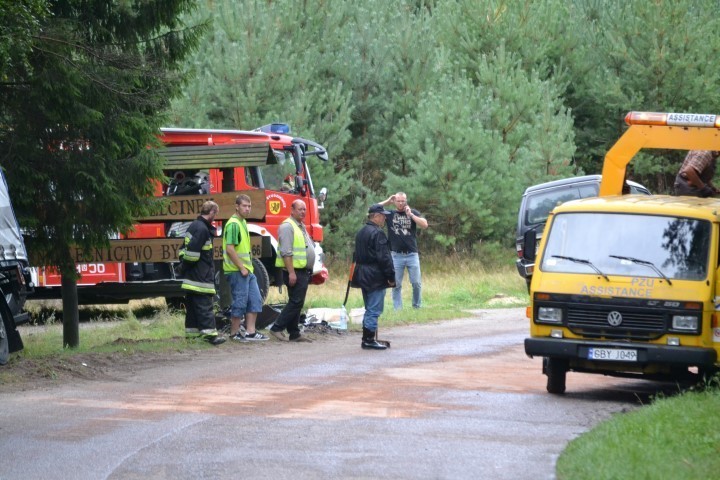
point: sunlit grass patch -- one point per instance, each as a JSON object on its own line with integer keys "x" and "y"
{"x": 676, "y": 438}
{"x": 159, "y": 332}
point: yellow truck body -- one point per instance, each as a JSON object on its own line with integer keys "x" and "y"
{"x": 629, "y": 285}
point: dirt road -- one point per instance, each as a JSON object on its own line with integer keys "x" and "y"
{"x": 456, "y": 399}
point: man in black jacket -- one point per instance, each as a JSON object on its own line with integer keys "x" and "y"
{"x": 198, "y": 268}
{"x": 374, "y": 272}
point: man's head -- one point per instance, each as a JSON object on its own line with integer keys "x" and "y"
{"x": 243, "y": 205}
{"x": 400, "y": 201}
{"x": 376, "y": 214}
{"x": 298, "y": 210}
{"x": 209, "y": 209}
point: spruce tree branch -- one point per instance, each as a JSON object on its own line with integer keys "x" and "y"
{"x": 105, "y": 60}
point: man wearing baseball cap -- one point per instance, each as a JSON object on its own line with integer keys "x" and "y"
{"x": 373, "y": 273}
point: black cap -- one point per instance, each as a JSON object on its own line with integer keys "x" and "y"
{"x": 377, "y": 208}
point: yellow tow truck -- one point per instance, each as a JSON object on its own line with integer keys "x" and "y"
{"x": 629, "y": 285}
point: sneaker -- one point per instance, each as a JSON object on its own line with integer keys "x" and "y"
{"x": 280, "y": 335}
{"x": 301, "y": 338}
{"x": 256, "y": 337}
{"x": 214, "y": 339}
{"x": 238, "y": 337}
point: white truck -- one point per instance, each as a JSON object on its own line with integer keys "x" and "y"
{"x": 15, "y": 282}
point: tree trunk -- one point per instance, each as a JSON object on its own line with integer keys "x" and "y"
{"x": 71, "y": 316}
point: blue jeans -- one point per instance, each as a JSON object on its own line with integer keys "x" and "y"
{"x": 411, "y": 261}
{"x": 245, "y": 294}
{"x": 374, "y": 305}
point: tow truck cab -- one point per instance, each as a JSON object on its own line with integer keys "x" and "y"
{"x": 630, "y": 285}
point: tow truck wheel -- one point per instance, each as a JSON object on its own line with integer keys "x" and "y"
{"x": 556, "y": 371}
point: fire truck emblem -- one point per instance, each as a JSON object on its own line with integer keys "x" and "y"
{"x": 274, "y": 207}
{"x": 614, "y": 318}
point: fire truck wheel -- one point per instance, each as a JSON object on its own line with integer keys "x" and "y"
{"x": 175, "y": 303}
{"x": 263, "y": 279}
{"x": 556, "y": 371}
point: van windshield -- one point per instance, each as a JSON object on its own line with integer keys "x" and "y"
{"x": 540, "y": 204}
{"x": 678, "y": 247}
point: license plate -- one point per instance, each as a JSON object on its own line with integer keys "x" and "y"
{"x": 612, "y": 354}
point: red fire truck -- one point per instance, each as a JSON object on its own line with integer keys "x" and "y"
{"x": 267, "y": 164}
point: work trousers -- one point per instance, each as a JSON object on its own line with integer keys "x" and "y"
{"x": 290, "y": 315}
{"x": 199, "y": 312}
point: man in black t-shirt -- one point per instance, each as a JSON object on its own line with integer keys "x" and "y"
{"x": 402, "y": 224}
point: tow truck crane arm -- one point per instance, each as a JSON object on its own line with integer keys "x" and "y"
{"x": 678, "y": 131}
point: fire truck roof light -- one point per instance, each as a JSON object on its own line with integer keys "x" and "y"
{"x": 280, "y": 128}
{"x": 673, "y": 119}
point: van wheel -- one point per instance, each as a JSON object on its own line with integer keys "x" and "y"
{"x": 556, "y": 371}
{"x": 263, "y": 279}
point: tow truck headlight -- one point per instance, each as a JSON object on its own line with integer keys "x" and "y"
{"x": 549, "y": 315}
{"x": 685, "y": 322}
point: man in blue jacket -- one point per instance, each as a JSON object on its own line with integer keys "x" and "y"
{"x": 373, "y": 273}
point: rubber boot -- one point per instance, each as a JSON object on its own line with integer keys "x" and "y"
{"x": 369, "y": 342}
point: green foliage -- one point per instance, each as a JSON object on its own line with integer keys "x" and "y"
{"x": 673, "y": 438}
{"x": 19, "y": 23}
{"x": 475, "y": 152}
{"x": 646, "y": 56}
{"x": 77, "y": 119}
{"x": 537, "y": 33}
{"x": 461, "y": 103}
{"x": 259, "y": 66}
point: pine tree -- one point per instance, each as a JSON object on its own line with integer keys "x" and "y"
{"x": 77, "y": 123}
{"x": 642, "y": 56}
{"x": 476, "y": 148}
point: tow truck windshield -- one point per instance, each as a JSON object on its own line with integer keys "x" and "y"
{"x": 674, "y": 247}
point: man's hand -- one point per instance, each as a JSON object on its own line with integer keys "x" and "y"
{"x": 707, "y": 191}
{"x": 292, "y": 278}
{"x": 388, "y": 200}
{"x": 408, "y": 210}
{"x": 244, "y": 271}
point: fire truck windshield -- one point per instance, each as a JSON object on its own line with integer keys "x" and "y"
{"x": 281, "y": 176}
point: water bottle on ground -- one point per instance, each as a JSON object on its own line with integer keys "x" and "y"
{"x": 343, "y": 319}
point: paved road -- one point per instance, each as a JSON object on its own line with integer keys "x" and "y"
{"x": 452, "y": 400}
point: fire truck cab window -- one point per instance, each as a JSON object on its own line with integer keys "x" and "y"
{"x": 280, "y": 176}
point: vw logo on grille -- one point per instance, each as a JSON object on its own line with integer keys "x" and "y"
{"x": 614, "y": 318}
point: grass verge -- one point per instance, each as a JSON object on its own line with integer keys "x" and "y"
{"x": 450, "y": 287}
{"x": 676, "y": 438}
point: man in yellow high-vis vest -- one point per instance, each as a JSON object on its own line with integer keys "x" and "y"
{"x": 296, "y": 256}
{"x": 238, "y": 267}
